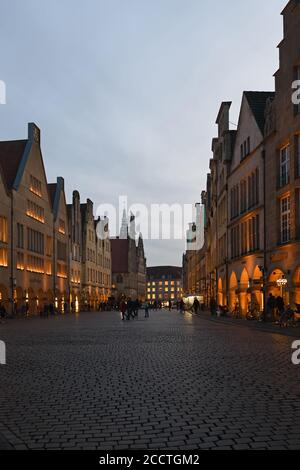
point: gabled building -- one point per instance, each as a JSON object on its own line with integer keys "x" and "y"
{"x": 215, "y": 200}
{"x": 246, "y": 205}
{"x": 128, "y": 263}
{"x": 5, "y": 244}
{"x": 75, "y": 251}
{"x": 29, "y": 282}
{"x": 61, "y": 267}
{"x": 96, "y": 261}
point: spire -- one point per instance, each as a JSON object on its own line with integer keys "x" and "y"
{"x": 124, "y": 227}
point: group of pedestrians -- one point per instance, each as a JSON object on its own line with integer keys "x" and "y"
{"x": 130, "y": 309}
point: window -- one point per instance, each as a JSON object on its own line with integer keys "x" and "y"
{"x": 243, "y": 196}
{"x": 48, "y": 265}
{"x": 285, "y": 219}
{"x": 35, "y": 186}
{"x": 20, "y": 236}
{"x": 244, "y": 238}
{"x": 49, "y": 246}
{"x": 35, "y": 241}
{"x": 253, "y": 189}
{"x": 245, "y": 148}
{"x": 256, "y": 188}
{"x": 3, "y": 257}
{"x": 254, "y": 242}
{"x": 3, "y": 230}
{"x": 35, "y": 264}
{"x": 62, "y": 270}
{"x": 234, "y": 202}
{"x": 35, "y": 212}
{"x": 284, "y": 166}
{"x": 235, "y": 242}
{"x": 62, "y": 227}
{"x": 20, "y": 261}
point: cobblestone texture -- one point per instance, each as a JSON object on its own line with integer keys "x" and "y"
{"x": 170, "y": 382}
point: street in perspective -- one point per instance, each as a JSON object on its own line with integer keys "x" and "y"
{"x": 149, "y": 230}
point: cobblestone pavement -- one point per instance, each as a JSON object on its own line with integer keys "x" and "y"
{"x": 170, "y": 382}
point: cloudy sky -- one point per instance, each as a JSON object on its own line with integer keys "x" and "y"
{"x": 126, "y": 92}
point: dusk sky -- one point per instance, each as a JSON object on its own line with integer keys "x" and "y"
{"x": 126, "y": 92}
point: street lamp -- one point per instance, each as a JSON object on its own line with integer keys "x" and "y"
{"x": 282, "y": 283}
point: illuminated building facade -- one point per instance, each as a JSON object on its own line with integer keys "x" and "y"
{"x": 42, "y": 261}
{"x": 164, "y": 283}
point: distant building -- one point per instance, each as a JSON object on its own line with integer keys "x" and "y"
{"x": 128, "y": 263}
{"x": 164, "y": 283}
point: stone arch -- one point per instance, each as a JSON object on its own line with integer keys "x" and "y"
{"x": 245, "y": 293}
{"x": 272, "y": 287}
{"x": 257, "y": 288}
{"x": 233, "y": 286}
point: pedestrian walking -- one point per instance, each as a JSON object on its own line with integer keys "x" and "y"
{"x": 123, "y": 309}
{"x": 147, "y": 307}
{"x": 280, "y": 306}
{"x": 213, "y": 306}
{"x": 136, "y": 307}
{"x": 196, "y": 306}
{"x": 271, "y": 305}
{"x": 130, "y": 310}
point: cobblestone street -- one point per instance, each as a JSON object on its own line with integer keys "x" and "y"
{"x": 171, "y": 382}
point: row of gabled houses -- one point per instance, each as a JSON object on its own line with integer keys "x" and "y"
{"x": 50, "y": 254}
{"x": 252, "y": 196}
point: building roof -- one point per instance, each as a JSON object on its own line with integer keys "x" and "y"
{"x": 257, "y": 101}
{"x": 55, "y": 191}
{"x": 157, "y": 272}
{"x": 11, "y": 154}
{"x": 119, "y": 255}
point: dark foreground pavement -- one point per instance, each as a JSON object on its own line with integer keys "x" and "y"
{"x": 171, "y": 382}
